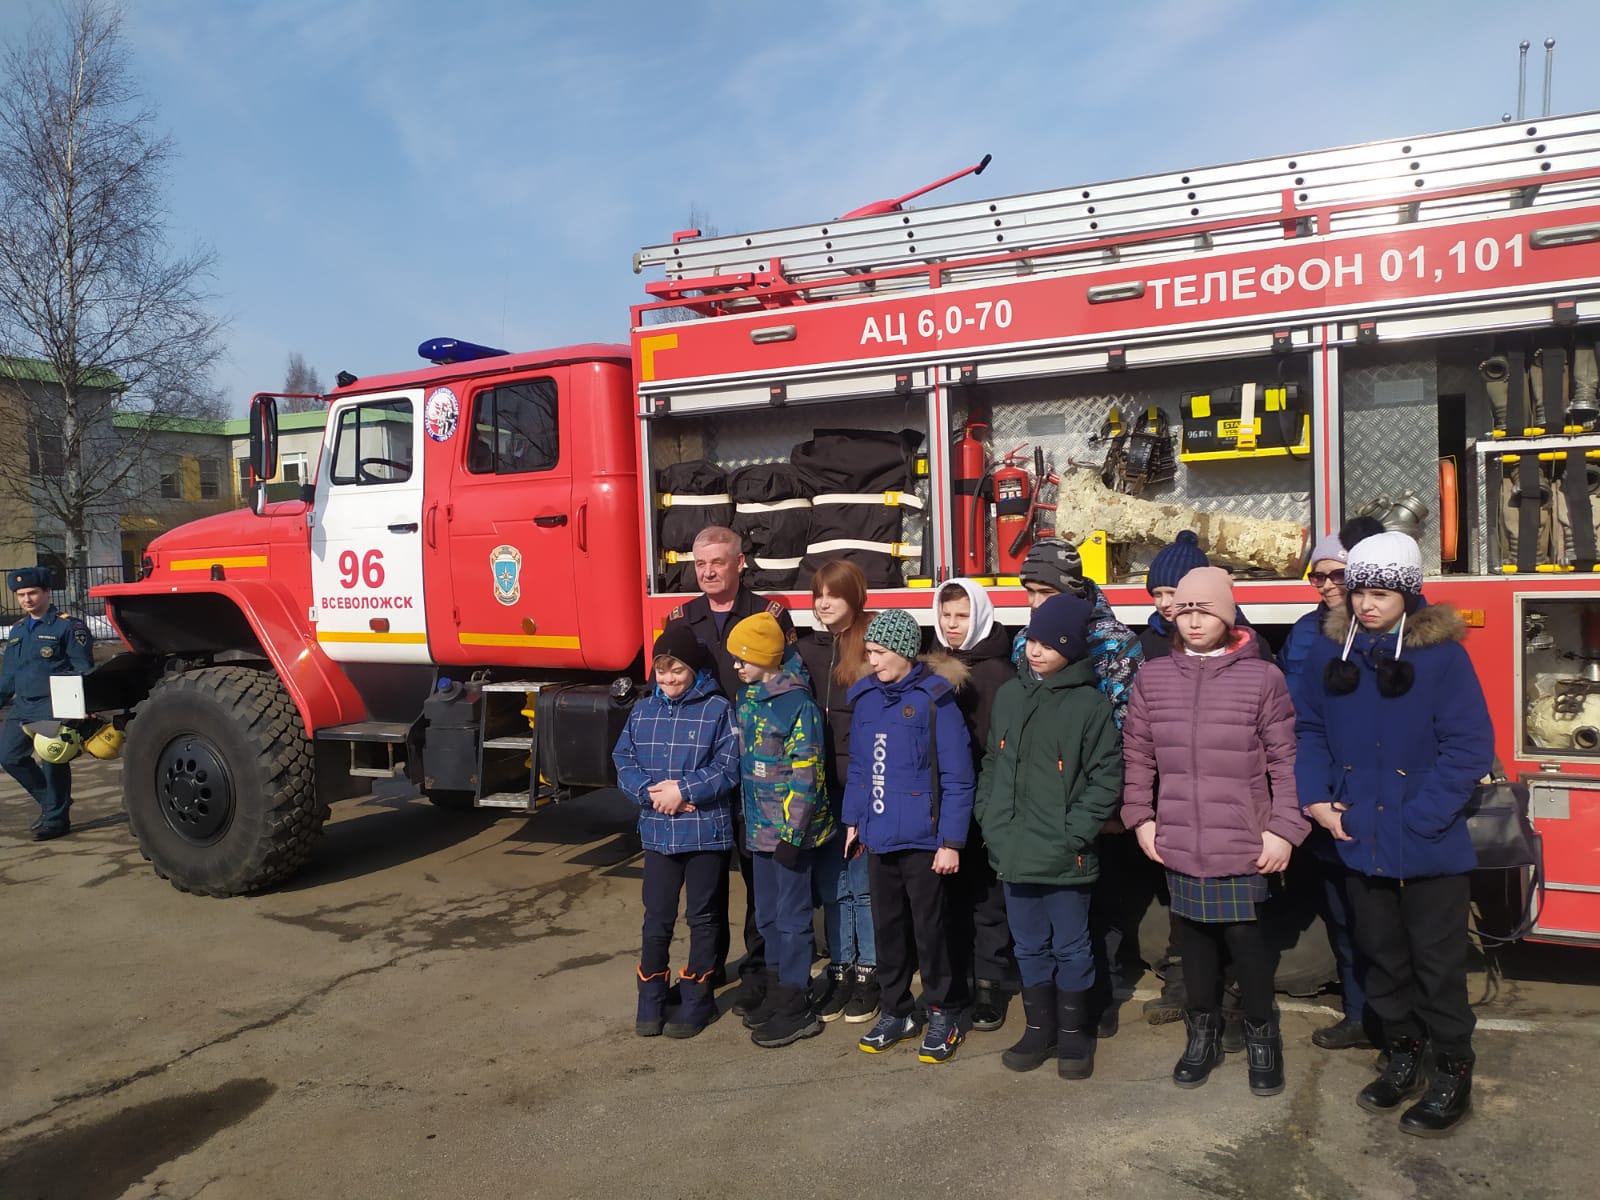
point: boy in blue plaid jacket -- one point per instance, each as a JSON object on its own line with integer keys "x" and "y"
{"x": 678, "y": 758}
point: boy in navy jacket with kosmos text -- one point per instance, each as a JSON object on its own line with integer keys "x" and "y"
{"x": 909, "y": 802}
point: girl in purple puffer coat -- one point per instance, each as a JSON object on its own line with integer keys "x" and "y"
{"x": 1214, "y": 722}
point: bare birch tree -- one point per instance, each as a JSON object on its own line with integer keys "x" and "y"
{"x": 298, "y": 377}
{"x": 99, "y": 315}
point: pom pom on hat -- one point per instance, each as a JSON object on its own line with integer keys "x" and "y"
{"x": 1173, "y": 562}
{"x": 896, "y": 630}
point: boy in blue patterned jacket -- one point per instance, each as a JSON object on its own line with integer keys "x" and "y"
{"x": 786, "y": 818}
{"x": 678, "y": 757}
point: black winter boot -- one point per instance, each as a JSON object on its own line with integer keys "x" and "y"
{"x": 791, "y": 1020}
{"x": 1347, "y": 1033}
{"x": 1264, "y": 1044}
{"x": 652, "y": 1004}
{"x": 1448, "y": 1100}
{"x": 989, "y": 1006}
{"x": 753, "y": 988}
{"x": 765, "y": 988}
{"x": 1402, "y": 1077}
{"x": 1074, "y": 1037}
{"x": 1203, "y": 1051}
{"x": 1173, "y": 1000}
{"x": 698, "y": 1009}
{"x": 1038, "y": 1041}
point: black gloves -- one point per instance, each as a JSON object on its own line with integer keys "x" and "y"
{"x": 787, "y": 855}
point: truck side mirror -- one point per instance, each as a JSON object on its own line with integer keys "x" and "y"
{"x": 263, "y": 447}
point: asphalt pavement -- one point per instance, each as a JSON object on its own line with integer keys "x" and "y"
{"x": 442, "y": 1006}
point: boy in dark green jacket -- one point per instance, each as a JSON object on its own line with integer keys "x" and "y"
{"x": 1051, "y": 778}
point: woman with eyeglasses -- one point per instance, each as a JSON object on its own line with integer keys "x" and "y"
{"x": 1327, "y": 576}
{"x": 1358, "y": 1028}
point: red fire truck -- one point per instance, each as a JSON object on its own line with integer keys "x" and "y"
{"x": 464, "y": 594}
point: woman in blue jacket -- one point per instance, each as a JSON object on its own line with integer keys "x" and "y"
{"x": 1393, "y": 737}
{"x": 909, "y": 802}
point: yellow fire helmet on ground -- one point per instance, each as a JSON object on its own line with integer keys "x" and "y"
{"x": 106, "y": 742}
{"x": 55, "y": 741}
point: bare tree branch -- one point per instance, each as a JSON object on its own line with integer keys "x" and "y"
{"x": 701, "y": 220}
{"x": 99, "y": 315}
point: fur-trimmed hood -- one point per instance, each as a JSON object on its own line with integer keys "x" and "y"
{"x": 1430, "y": 625}
{"x": 947, "y": 667}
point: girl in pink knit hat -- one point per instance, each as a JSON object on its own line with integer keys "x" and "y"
{"x": 1213, "y": 721}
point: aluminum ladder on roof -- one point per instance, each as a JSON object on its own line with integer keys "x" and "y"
{"x": 1549, "y": 146}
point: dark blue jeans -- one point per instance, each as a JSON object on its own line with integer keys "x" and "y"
{"x": 783, "y": 914}
{"x": 50, "y": 784}
{"x": 1050, "y": 925}
{"x": 695, "y": 876}
{"x": 846, "y": 899}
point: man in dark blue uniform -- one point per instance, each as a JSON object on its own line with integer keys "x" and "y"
{"x": 43, "y": 643}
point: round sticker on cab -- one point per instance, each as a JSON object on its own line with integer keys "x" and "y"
{"x": 440, "y": 414}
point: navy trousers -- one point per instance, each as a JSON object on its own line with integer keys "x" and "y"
{"x": 50, "y": 784}
{"x": 1051, "y": 927}
{"x": 694, "y": 876}
{"x": 783, "y": 914}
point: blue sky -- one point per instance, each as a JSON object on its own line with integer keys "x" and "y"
{"x": 375, "y": 172}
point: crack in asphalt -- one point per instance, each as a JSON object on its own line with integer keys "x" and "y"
{"x": 156, "y": 1069}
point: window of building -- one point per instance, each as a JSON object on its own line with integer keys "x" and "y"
{"x": 210, "y": 479}
{"x": 294, "y": 468}
{"x": 47, "y": 453}
{"x": 242, "y": 466}
{"x": 50, "y": 550}
{"x": 372, "y": 444}
{"x": 514, "y": 429}
{"x": 172, "y": 480}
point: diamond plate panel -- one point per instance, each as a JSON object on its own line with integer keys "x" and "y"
{"x": 1390, "y": 399}
{"x": 1065, "y": 415}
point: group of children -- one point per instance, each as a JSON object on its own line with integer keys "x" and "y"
{"x": 982, "y": 784}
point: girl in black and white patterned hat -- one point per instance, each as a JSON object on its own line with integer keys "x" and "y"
{"x": 1393, "y": 737}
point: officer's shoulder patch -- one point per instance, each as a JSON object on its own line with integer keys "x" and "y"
{"x": 676, "y": 614}
{"x": 775, "y": 607}
{"x": 80, "y": 635}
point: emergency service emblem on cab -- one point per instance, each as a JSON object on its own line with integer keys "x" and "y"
{"x": 440, "y": 414}
{"x": 506, "y": 562}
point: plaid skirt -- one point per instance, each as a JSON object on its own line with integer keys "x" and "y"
{"x": 1214, "y": 901}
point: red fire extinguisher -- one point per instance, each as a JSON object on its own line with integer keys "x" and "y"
{"x": 971, "y": 460}
{"x": 1013, "y": 500}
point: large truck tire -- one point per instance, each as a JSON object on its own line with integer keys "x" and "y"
{"x": 218, "y": 782}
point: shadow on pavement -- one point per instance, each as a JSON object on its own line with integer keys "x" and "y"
{"x": 396, "y": 826}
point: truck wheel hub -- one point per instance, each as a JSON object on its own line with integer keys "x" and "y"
{"x": 195, "y": 788}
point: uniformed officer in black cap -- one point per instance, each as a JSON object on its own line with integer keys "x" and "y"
{"x": 43, "y": 643}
